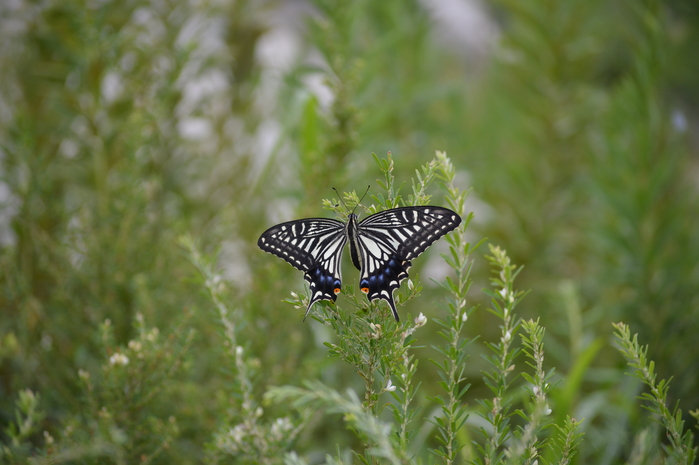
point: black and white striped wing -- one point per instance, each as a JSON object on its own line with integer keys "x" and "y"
{"x": 390, "y": 239}
{"x": 314, "y": 246}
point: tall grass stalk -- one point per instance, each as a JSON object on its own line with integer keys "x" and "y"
{"x": 681, "y": 449}
{"x": 244, "y": 434}
{"x": 452, "y": 367}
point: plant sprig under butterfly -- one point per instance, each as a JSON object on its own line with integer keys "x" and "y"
{"x": 382, "y": 246}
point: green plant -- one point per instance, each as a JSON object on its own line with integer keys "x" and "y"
{"x": 28, "y": 416}
{"x": 373, "y": 344}
{"x": 243, "y": 434}
{"x": 681, "y": 449}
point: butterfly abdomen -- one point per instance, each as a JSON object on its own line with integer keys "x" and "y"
{"x": 351, "y": 231}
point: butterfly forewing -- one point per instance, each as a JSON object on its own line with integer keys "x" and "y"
{"x": 411, "y": 229}
{"x": 389, "y": 240}
{"x": 314, "y": 246}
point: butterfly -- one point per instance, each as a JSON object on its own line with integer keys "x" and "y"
{"x": 382, "y": 246}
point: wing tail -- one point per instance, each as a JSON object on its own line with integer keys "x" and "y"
{"x": 323, "y": 285}
{"x": 392, "y": 304}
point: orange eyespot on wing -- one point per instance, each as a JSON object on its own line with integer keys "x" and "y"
{"x": 336, "y": 290}
{"x": 365, "y": 290}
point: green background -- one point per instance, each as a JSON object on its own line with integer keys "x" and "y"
{"x": 127, "y": 124}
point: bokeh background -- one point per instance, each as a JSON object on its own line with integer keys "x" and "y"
{"x": 125, "y": 124}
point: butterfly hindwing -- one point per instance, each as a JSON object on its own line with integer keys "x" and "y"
{"x": 313, "y": 246}
{"x": 389, "y": 240}
{"x": 384, "y": 278}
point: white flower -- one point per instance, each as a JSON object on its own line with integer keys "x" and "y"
{"x": 237, "y": 433}
{"x": 119, "y": 359}
{"x": 389, "y": 386}
{"x": 279, "y": 427}
{"x": 411, "y": 286}
{"x": 420, "y": 320}
{"x": 507, "y": 336}
{"x": 239, "y": 351}
{"x": 153, "y": 334}
{"x": 135, "y": 345}
{"x": 464, "y": 317}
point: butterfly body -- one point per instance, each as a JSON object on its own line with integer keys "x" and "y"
{"x": 381, "y": 247}
{"x": 352, "y": 232}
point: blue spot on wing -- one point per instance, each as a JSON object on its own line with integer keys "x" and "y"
{"x": 387, "y": 278}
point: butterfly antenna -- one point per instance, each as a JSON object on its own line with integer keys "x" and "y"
{"x": 360, "y": 200}
{"x": 365, "y": 193}
{"x": 340, "y": 197}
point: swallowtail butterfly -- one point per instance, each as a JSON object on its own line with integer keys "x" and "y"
{"x": 382, "y": 247}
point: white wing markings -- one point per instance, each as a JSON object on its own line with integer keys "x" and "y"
{"x": 371, "y": 246}
{"x": 331, "y": 249}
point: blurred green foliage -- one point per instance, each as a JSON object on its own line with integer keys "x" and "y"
{"x": 125, "y": 125}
